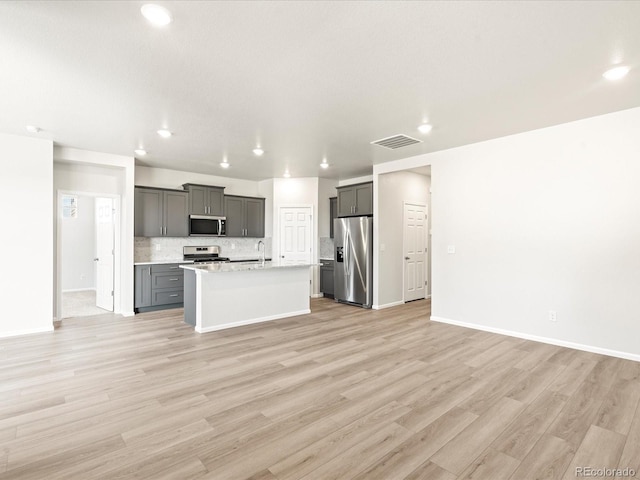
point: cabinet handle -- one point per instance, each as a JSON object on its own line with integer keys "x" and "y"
{"x": 174, "y": 295}
{"x": 173, "y": 268}
{"x": 173, "y": 279}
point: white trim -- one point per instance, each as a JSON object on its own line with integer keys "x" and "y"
{"x": 224, "y": 326}
{"x": 387, "y": 305}
{"x": 536, "y": 338}
{"x": 317, "y": 295}
{"x": 72, "y": 290}
{"x": 16, "y": 333}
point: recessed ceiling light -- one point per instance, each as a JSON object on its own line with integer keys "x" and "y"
{"x": 425, "y": 128}
{"x": 286, "y": 174}
{"x": 616, "y": 73}
{"x": 32, "y": 129}
{"x": 224, "y": 163}
{"x": 258, "y": 151}
{"x": 324, "y": 163}
{"x": 140, "y": 151}
{"x": 164, "y": 133}
{"x": 157, "y": 15}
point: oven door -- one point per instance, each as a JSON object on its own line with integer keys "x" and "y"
{"x": 206, "y": 226}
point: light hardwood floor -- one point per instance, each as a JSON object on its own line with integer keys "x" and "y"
{"x": 343, "y": 393}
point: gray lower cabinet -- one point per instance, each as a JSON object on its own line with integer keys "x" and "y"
{"x": 161, "y": 213}
{"x": 326, "y": 278}
{"x": 245, "y": 216}
{"x": 205, "y": 199}
{"x": 158, "y": 287}
{"x": 355, "y": 200}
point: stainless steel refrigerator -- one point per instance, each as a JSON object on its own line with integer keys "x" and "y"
{"x": 353, "y": 265}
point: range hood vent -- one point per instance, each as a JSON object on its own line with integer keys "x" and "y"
{"x": 397, "y": 141}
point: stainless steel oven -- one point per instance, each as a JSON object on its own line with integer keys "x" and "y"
{"x": 207, "y": 226}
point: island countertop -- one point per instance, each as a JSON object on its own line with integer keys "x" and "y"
{"x": 223, "y": 267}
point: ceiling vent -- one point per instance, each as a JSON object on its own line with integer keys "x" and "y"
{"x": 397, "y": 141}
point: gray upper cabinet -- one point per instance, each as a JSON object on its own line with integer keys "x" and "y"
{"x": 245, "y": 216}
{"x": 333, "y": 213}
{"x": 355, "y": 200}
{"x": 161, "y": 213}
{"x": 204, "y": 199}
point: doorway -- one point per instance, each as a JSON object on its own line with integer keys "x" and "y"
{"x": 415, "y": 254}
{"x": 87, "y": 255}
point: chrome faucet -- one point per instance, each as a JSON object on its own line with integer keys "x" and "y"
{"x": 262, "y": 257}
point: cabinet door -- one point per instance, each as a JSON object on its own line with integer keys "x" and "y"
{"x": 333, "y": 213}
{"x": 142, "y": 287}
{"x": 254, "y": 217}
{"x": 148, "y": 221}
{"x": 326, "y": 281}
{"x": 176, "y": 214}
{"x": 198, "y": 200}
{"x": 346, "y": 201}
{"x": 216, "y": 201}
{"x": 364, "y": 199}
{"x": 234, "y": 211}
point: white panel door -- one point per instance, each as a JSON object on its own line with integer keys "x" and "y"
{"x": 104, "y": 253}
{"x": 415, "y": 251}
{"x": 295, "y": 234}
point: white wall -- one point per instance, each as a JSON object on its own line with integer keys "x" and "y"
{"x": 96, "y": 172}
{"x": 393, "y": 190}
{"x": 164, "y": 178}
{"x": 297, "y": 192}
{"x": 544, "y": 220}
{"x": 27, "y": 227}
{"x": 326, "y": 190}
{"x": 78, "y": 247}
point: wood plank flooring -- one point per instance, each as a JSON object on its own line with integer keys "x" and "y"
{"x": 342, "y": 393}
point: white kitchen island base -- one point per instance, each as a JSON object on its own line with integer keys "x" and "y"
{"x": 227, "y": 295}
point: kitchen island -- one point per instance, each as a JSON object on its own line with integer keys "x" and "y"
{"x": 226, "y": 295}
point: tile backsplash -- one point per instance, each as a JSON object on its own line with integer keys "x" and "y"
{"x": 157, "y": 249}
{"x": 326, "y": 247}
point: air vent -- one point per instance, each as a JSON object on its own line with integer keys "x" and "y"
{"x": 397, "y": 141}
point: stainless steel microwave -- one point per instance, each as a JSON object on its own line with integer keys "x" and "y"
{"x": 207, "y": 226}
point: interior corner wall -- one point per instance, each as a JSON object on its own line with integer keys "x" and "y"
{"x": 298, "y": 192}
{"x": 326, "y": 190}
{"x": 393, "y": 190}
{"x": 542, "y": 221}
{"x": 26, "y": 193}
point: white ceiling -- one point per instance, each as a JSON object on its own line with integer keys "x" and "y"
{"x": 307, "y": 79}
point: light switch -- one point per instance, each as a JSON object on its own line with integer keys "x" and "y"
{"x": 383, "y": 247}
{"x": 451, "y": 249}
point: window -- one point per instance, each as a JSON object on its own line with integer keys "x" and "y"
{"x": 69, "y": 206}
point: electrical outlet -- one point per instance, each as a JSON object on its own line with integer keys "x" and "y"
{"x": 451, "y": 249}
{"x": 157, "y": 247}
{"x": 552, "y": 316}
{"x": 233, "y": 246}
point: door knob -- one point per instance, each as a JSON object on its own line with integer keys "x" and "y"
{"x": 96, "y": 259}
{"x": 406, "y": 258}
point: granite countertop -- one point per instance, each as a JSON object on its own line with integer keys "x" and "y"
{"x": 244, "y": 267}
{"x": 326, "y": 258}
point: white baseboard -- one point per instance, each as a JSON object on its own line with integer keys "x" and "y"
{"x": 16, "y": 333}
{"x": 128, "y": 314}
{"x": 250, "y": 321}
{"x": 536, "y": 338}
{"x": 387, "y": 305}
{"x": 71, "y": 290}
{"x": 317, "y": 295}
